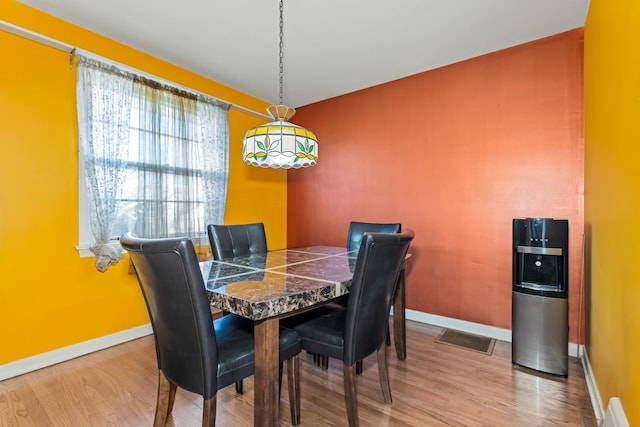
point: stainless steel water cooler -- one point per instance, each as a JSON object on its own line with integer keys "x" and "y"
{"x": 540, "y": 313}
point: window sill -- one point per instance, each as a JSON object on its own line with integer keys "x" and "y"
{"x": 203, "y": 252}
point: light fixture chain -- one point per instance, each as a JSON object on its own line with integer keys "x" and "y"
{"x": 281, "y": 53}
{"x": 284, "y": 145}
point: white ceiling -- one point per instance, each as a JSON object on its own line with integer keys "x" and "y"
{"x": 331, "y": 47}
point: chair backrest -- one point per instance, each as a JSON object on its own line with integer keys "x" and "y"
{"x": 380, "y": 260}
{"x": 228, "y": 241}
{"x": 174, "y": 292}
{"x": 357, "y": 229}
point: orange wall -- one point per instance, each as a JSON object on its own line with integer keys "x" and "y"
{"x": 50, "y": 297}
{"x": 612, "y": 199}
{"x": 454, "y": 153}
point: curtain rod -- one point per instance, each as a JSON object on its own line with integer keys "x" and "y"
{"x": 71, "y": 50}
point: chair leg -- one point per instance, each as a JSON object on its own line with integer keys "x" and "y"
{"x": 388, "y": 338}
{"x": 239, "y": 387}
{"x": 316, "y": 358}
{"x": 280, "y": 379}
{"x": 164, "y": 402}
{"x": 324, "y": 362}
{"x": 359, "y": 367}
{"x": 172, "y": 397}
{"x": 350, "y": 395}
{"x": 293, "y": 378}
{"x": 209, "y": 412}
{"x": 384, "y": 373}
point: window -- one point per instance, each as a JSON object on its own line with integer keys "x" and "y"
{"x": 164, "y": 178}
{"x": 153, "y": 158}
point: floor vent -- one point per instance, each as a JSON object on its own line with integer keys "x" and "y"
{"x": 464, "y": 340}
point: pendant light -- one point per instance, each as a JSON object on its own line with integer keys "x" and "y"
{"x": 280, "y": 144}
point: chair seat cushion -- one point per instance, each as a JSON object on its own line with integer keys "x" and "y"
{"x": 323, "y": 334}
{"x": 234, "y": 336}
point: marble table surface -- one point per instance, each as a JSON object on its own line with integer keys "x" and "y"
{"x": 275, "y": 283}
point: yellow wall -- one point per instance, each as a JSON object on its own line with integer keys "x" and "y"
{"x": 612, "y": 199}
{"x": 50, "y": 296}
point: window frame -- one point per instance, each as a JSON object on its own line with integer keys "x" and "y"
{"x": 85, "y": 235}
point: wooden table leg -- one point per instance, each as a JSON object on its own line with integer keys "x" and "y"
{"x": 399, "y": 331}
{"x": 266, "y": 402}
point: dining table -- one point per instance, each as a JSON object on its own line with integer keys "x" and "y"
{"x": 266, "y": 287}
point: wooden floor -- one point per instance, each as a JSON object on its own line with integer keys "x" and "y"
{"x": 438, "y": 385}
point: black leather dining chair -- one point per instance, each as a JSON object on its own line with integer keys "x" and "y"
{"x": 357, "y": 230}
{"x": 228, "y": 241}
{"x": 354, "y": 238}
{"x": 193, "y": 351}
{"x": 354, "y": 332}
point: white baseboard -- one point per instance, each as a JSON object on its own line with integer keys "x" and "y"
{"x": 472, "y": 328}
{"x": 49, "y": 358}
{"x": 615, "y": 417}
{"x": 460, "y": 325}
{"x": 596, "y": 402}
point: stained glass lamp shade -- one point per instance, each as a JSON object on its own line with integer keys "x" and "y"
{"x": 280, "y": 144}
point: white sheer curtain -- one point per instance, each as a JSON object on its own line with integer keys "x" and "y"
{"x": 182, "y": 142}
{"x": 213, "y": 130}
{"x": 156, "y": 157}
{"x": 104, "y": 108}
